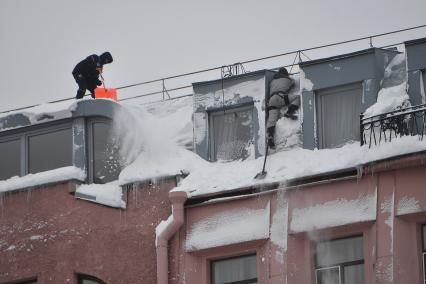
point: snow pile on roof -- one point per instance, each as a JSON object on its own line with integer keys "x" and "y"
{"x": 393, "y": 93}
{"x": 110, "y": 194}
{"x": 153, "y": 143}
{"x": 43, "y": 178}
{"x": 296, "y": 163}
{"x": 219, "y": 229}
{"x": 41, "y": 113}
{"x": 334, "y": 213}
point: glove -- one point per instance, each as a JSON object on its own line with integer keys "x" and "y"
{"x": 98, "y": 83}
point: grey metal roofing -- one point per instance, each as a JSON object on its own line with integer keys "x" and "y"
{"x": 249, "y": 74}
{"x": 415, "y": 41}
{"x": 343, "y": 56}
{"x": 85, "y": 108}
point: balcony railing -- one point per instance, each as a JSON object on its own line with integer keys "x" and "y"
{"x": 390, "y": 125}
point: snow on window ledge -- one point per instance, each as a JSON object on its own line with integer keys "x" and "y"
{"x": 48, "y": 177}
{"x": 109, "y": 194}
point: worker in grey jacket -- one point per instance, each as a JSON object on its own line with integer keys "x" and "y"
{"x": 279, "y": 97}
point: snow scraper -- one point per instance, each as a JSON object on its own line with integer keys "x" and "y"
{"x": 263, "y": 173}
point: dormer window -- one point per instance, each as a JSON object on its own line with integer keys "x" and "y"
{"x": 10, "y": 150}
{"x": 36, "y": 151}
{"x": 104, "y": 163}
{"x": 338, "y": 111}
{"x": 231, "y": 133}
{"x": 56, "y": 142}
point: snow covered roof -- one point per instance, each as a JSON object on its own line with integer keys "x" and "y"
{"x": 49, "y": 112}
{"x": 157, "y": 141}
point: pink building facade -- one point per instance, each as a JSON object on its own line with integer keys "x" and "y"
{"x": 365, "y": 228}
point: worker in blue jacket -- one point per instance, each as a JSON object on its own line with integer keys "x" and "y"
{"x": 86, "y": 73}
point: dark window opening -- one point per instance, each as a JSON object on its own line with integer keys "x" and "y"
{"x": 236, "y": 270}
{"x": 340, "y": 261}
{"x": 88, "y": 279}
{"x": 231, "y": 133}
{"x": 10, "y": 162}
{"x": 50, "y": 150}
{"x": 424, "y": 251}
{"x": 104, "y": 162}
{"x": 424, "y": 82}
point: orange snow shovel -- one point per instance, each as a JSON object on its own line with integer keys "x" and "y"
{"x": 105, "y": 93}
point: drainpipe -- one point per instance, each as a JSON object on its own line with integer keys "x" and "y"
{"x": 173, "y": 223}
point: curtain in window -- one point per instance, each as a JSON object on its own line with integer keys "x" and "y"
{"x": 334, "y": 252}
{"x": 235, "y": 269}
{"x": 338, "y": 116}
{"x": 232, "y": 133}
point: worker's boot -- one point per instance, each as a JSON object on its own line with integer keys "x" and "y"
{"x": 270, "y": 136}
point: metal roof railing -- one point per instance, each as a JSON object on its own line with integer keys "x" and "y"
{"x": 239, "y": 67}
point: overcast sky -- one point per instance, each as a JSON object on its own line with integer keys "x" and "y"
{"x": 42, "y": 40}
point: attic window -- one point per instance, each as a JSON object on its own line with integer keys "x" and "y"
{"x": 338, "y": 111}
{"x": 104, "y": 164}
{"x": 49, "y": 150}
{"x": 10, "y": 164}
{"x": 424, "y": 82}
{"x": 231, "y": 133}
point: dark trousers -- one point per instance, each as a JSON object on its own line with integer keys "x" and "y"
{"x": 83, "y": 85}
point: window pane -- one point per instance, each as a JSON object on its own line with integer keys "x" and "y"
{"x": 424, "y": 270}
{"x": 424, "y": 80}
{"x": 328, "y": 276}
{"x": 50, "y": 151}
{"x": 10, "y": 159}
{"x": 232, "y": 133}
{"x": 354, "y": 274}
{"x": 338, "y": 115}
{"x": 106, "y": 164}
{"x": 235, "y": 269}
{"x": 339, "y": 251}
{"x": 424, "y": 237}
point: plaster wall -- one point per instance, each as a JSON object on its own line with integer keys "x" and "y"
{"x": 392, "y": 192}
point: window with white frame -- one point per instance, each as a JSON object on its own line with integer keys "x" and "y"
{"x": 236, "y": 270}
{"x": 231, "y": 133}
{"x": 339, "y": 261}
{"x": 338, "y": 111}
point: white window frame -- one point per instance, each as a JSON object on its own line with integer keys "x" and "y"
{"x": 343, "y": 264}
{"x": 328, "y": 268}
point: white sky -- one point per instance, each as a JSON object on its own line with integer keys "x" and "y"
{"x": 42, "y": 40}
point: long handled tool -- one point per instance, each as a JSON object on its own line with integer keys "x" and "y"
{"x": 263, "y": 173}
